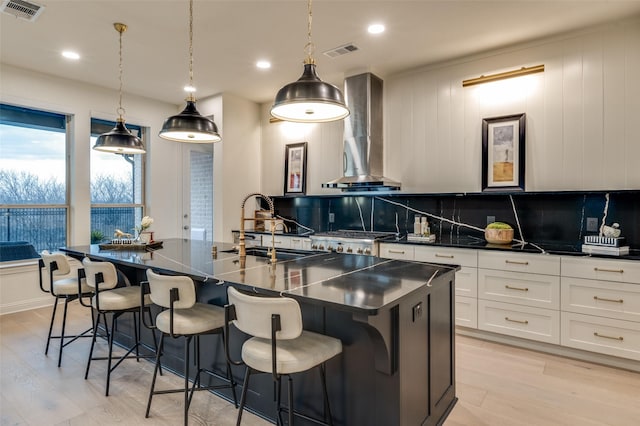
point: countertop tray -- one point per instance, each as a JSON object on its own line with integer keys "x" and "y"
{"x": 132, "y": 246}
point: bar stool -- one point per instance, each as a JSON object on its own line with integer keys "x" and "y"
{"x": 182, "y": 316}
{"x": 63, "y": 285}
{"x": 279, "y": 346}
{"x": 102, "y": 277}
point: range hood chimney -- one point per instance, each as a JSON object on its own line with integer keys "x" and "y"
{"x": 363, "y": 147}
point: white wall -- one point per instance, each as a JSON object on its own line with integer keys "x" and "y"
{"x": 580, "y": 119}
{"x": 236, "y": 160}
{"x": 324, "y": 152}
{"x": 82, "y": 101}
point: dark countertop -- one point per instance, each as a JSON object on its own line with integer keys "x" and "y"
{"x": 550, "y": 247}
{"x": 349, "y": 282}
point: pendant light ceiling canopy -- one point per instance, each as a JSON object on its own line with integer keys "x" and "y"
{"x": 309, "y": 99}
{"x": 190, "y": 125}
{"x": 120, "y": 140}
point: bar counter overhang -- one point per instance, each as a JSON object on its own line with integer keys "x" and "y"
{"x": 395, "y": 319}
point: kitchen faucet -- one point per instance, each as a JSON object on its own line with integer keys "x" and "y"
{"x": 242, "y": 250}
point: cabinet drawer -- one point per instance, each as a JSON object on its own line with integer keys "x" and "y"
{"x": 520, "y": 321}
{"x": 396, "y": 251}
{"x": 520, "y": 262}
{"x": 277, "y": 241}
{"x": 603, "y": 335}
{"x": 452, "y": 256}
{"x": 542, "y": 291}
{"x": 595, "y": 268}
{"x": 300, "y": 243}
{"x": 467, "y": 282}
{"x": 466, "y": 312}
{"x": 602, "y": 298}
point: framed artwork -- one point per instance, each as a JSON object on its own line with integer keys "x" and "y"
{"x": 295, "y": 168}
{"x": 503, "y": 153}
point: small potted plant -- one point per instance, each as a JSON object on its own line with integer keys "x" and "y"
{"x": 498, "y": 233}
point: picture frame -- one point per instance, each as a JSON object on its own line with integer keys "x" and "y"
{"x": 503, "y": 153}
{"x": 295, "y": 168}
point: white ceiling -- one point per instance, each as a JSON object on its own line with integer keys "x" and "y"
{"x": 231, "y": 35}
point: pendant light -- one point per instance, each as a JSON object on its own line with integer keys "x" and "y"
{"x": 189, "y": 125}
{"x": 120, "y": 140}
{"x": 309, "y": 99}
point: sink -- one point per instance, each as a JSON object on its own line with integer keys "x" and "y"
{"x": 281, "y": 253}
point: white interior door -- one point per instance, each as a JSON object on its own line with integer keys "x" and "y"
{"x": 197, "y": 192}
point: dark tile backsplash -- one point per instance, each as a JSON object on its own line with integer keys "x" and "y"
{"x": 555, "y": 217}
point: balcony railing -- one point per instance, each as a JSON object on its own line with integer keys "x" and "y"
{"x": 46, "y": 227}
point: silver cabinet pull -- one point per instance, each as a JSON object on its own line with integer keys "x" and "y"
{"x": 619, "y": 271}
{"x": 608, "y": 300}
{"x": 518, "y": 321}
{"x": 604, "y": 336}
{"x": 516, "y": 262}
{"x": 296, "y": 240}
{"x": 516, "y": 288}
{"x": 446, "y": 256}
{"x": 396, "y": 251}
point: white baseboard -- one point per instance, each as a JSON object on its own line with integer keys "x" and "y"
{"x": 596, "y": 358}
{"x": 26, "y": 305}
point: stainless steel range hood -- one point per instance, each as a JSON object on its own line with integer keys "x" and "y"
{"x": 363, "y": 147}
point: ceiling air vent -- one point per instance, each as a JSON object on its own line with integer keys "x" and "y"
{"x": 22, "y": 9}
{"x": 341, "y": 50}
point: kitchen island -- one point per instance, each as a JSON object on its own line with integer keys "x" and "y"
{"x": 395, "y": 319}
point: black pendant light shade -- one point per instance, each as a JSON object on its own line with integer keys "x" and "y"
{"x": 190, "y": 126}
{"x": 119, "y": 141}
{"x": 309, "y": 100}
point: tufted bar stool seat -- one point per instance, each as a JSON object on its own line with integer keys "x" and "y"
{"x": 64, "y": 284}
{"x": 110, "y": 298}
{"x": 182, "y": 316}
{"x": 279, "y": 346}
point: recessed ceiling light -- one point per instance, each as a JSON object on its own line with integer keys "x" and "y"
{"x": 263, "y": 65}
{"x": 375, "y": 28}
{"x": 71, "y": 55}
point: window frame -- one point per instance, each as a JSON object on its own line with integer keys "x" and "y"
{"x": 68, "y": 123}
{"x": 99, "y": 126}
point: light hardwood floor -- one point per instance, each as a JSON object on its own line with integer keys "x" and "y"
{"x": 496, "y": 385}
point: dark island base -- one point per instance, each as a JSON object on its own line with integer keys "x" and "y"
{"x": 397, "y": 367}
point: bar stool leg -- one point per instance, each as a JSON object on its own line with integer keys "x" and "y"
{"x": 53, "y": 317}
{"x": 159, "y": 350}
{"x": 323, "y": 376}
{"x": 64, "y": 322}
{"x": 290, "y": 396}
{"x": 187, "y": 341}
{"x": 243, "y": 396}
{"x": 110, "y": 356}
{"x": 93, "y": 342}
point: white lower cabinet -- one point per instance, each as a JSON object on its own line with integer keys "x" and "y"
{"x": 601, "y": 306}
{"x": 466, "y": 278}
{"x": 300, "y": 243}
{"x": 520, "y": 321}
{"x": 466, "y": 311}
{"x": 542, "y": 291}
{"x": 586, "y": 303}
{"x": 603, "y": 335}
{"x": 519, "y": 295}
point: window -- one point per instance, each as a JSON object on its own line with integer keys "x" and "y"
{"x": 117, "y": 187}
{"x": 33, "y": 177}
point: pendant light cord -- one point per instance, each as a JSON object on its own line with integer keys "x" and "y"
{"x": 192, "y": 89}
{"x": 120, "y": 28}
{"x": 309, "y": 48}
